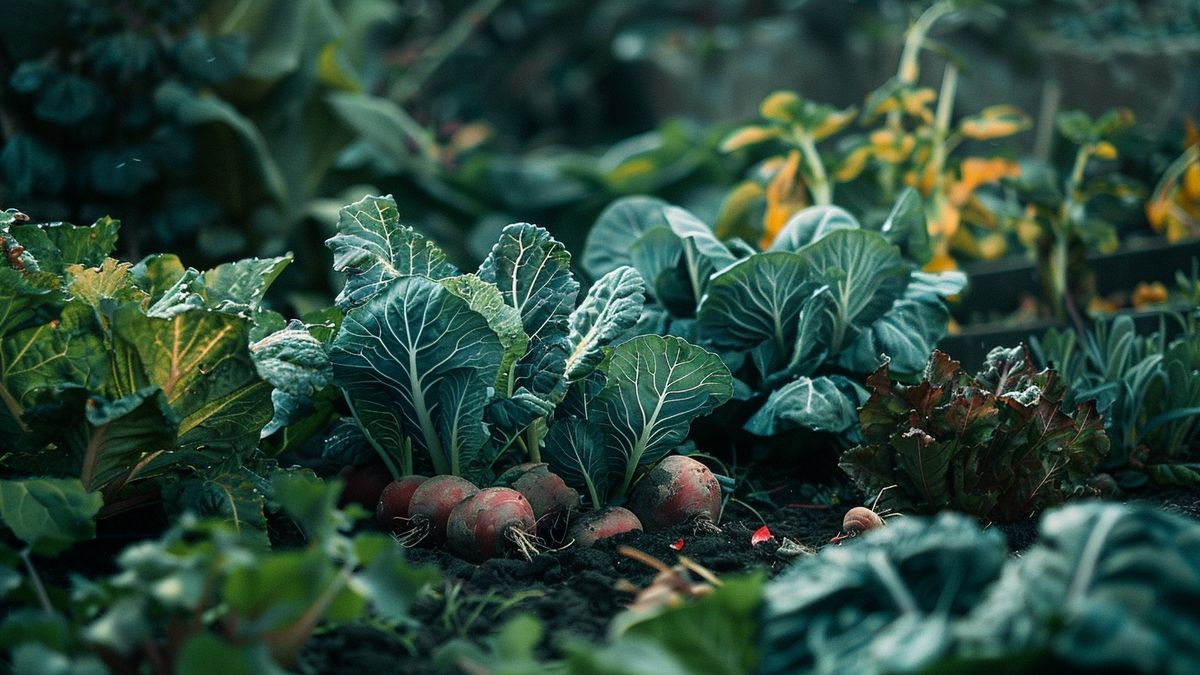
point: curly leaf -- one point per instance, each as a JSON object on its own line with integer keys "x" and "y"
{"x": 612, "y": 306}
{"x": 373, "y": 249}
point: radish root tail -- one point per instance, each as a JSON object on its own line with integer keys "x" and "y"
{"x": 702, "y": 524}
{"x": 526, "y": 544}
{"x": 415, "y": 534}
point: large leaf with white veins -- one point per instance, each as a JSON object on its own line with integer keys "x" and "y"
{"x": 656, "y": 387}
{"x": 394, "y": 358}
{"x": 865, "y": 273}
{"x": 373, "y": 248}
{"x": 612, "y": 306}
{"x": 756, "y": 299}
{"x": 807, "y": 403}
{"x": 574, "y": 448}
{"x": 533, "y": 272}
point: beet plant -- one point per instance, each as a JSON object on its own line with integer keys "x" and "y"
{"x": 456, "y": 370}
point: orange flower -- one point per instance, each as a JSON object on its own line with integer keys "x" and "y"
{"x": 785, "y": 196}
{"x": 1145, "y": 295}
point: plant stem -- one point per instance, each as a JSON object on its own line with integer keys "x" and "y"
{"x": 1062, "y": 233}
{"x": 821, "y": 188}
{"x": 941, "y": 125}
{"x": 35, "y": 580}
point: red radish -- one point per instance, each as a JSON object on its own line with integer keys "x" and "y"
{"x": 492, "y": 523}
{"x": 678, "y": 490}
{"x": 392, "y": 511}
{"x": 552, "y": 501}
{"x": 596, "y": 525}
{"x": 430, "y": 507}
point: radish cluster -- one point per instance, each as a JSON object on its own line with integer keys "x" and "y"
{"x": 531, "y": 506}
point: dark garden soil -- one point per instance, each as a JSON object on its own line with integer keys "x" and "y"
{"x": 574, "y": 593}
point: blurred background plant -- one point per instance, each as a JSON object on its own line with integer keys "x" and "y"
{"x": 219, "y": 128}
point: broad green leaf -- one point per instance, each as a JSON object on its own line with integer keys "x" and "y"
{"x": 200, "y": 361}
{"x": 122, "y": 435}
{"x": 574, "y": 448}
{"x": 703, "y": 253}
{"x": 382, "y": 123}
{"x": 393, "y": 354}
{"x": 807, "y": 403}
{"x": 157, "y": 274}
{"x": 612, "y": 306}
{"x": 1107, "y": 588}
{"x": 755, "y": 300}
{"x": 32, "y": 658}
{"x": 657, "y": 255}
{"x": 23, "y": 304}
{"x": 881, "y": 602}
{"x": 907, "y": 334}
{"x": 389, "y": 582}
{"x": 905, "y": 227}
{"x": 865, "y": 273}
{"x": 373, "y": 249}
{"x": 241, "y": 285}
{"x": 175, "y": 101}
{"x": 49, "y": 514}
{"x": 533, "y": 272}
{"x": 37, "y": 361}
{"x": 617, "y": 231}
{"x": 56, "y": 246}
{"x": 810, "y": 224}
{"x": 462, "y": 396}
{"x": 505, "y": 321}
{"x": 205, "y": 653}
{"x": 814, "y": 335}
{"x": 266, "y": 595}
{"x": 656, "y": 387}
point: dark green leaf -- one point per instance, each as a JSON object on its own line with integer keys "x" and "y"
{"x": 48, "y": 514}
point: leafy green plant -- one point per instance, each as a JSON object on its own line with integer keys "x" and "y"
{"x": 203, "y": 596}
{"x": 130, "y": 376}
{"x": 939, "y": 595}
{"x": 1144, "y": 386}
{"x": 996, "y": 445}
{"x": 885, "y": 602}
{"x": 792, "y": 322}
{"x": 1057, "y": 225}
{"x": 462, "y": 367}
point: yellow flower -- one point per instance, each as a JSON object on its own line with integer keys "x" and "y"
{"x": 785, "y": 196}
{"x": 1145, "y": 295}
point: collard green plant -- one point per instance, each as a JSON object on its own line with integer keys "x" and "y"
{"x": 1106, "y": 588}
{"x": 997, "y": 445}
{"x": 118, "y": 374}
{"x": 825, "y": 301}
{"x": 203, "y": 596}
{"x": 463, "y": 367}
{"x": 885, "y": 602}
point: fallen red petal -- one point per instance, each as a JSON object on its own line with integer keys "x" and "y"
{"x": 760, "y": 535}
{"x": 678, "y": 545}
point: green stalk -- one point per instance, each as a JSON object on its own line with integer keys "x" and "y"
{"x": 35, "y": 580}
{"x": 822, "y": 189}
{"x": 1062, "y": 232}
